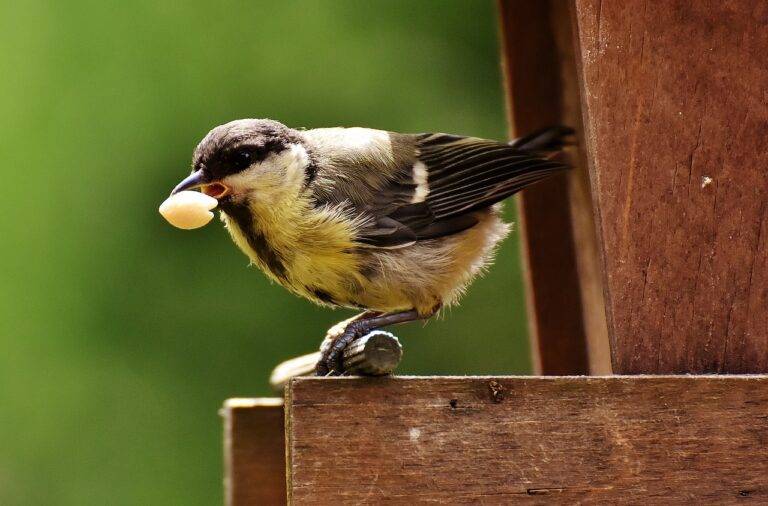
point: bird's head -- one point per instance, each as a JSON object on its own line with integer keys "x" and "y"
{"x": 249, "y": 160}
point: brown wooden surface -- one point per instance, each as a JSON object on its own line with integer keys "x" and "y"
{"x": 522, "y": 440}
{"x": 254, "y": 452}
{"x": 676, "y": 106}
{"x": 562, "y": 270}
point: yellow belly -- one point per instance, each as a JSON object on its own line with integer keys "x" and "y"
{"x": 323, "y": 263}
{"x": 316, "y": 249}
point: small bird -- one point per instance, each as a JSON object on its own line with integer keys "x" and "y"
{"x": 397, "y": 225}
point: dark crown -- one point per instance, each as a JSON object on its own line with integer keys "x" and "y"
{"x": 234, "y": 146}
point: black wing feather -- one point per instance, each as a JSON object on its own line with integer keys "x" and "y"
{"x": 464, "y": 174}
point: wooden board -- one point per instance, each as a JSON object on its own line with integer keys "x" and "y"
{"x": 523, "y": 440}
{"x": 676, "y": 120}
{"x": 563, "y": 275}
{"x": 254, "y": 452}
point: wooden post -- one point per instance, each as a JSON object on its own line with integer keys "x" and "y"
{"x": 562, "y": 269}
{"x": 676, "y": 122}
{"x": 254, "y": 452}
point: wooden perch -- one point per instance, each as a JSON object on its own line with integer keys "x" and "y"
{"x": 375, "y": 354}
{"x": 502, "y": 440}
{"x": 509, "y": 440}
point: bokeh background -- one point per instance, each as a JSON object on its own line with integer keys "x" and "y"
{"x": 121, "y": 336}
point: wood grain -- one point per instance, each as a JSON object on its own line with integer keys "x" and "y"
{"x": 562, "y": 270}
{"x": 522, "y": 440}
{"x": 675, "y": 101}
{"x": 254, "y": 452}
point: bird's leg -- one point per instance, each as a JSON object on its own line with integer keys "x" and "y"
{"x": 355, "y": 328}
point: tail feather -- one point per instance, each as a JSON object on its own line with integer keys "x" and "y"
{"x": 547, "y": 139}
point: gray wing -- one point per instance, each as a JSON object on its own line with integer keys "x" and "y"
{"x": 466, "y": 174}
{"x": 445, "y": 178}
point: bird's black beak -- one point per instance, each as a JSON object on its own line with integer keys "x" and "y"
{"x": 198, "y": 179}
{"x": 194, "y": 180}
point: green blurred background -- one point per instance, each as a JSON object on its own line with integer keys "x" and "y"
{"x": 121, "y": 335}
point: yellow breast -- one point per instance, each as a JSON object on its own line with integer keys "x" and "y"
{"x": 308, "y": 250}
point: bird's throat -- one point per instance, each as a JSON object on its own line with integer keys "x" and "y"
{"x": 244, "y": 228}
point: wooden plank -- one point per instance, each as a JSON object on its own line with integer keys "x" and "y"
{"x": 676, "y": 120}
{"x": 525, "y": 440}
{"x": 254, "y": 452}
{"x": 562, "y": 269}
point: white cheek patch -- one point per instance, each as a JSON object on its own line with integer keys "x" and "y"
{"x": 243, "y": 181}
{"x": 295, "y": 161}
{"x": 420, "y": 174}
{"x": 284, "y": 170}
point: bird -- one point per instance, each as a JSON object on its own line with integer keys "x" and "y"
{"x": 394, "y": 225}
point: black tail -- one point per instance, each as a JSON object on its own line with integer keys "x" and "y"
{"x": 546, "y": 139}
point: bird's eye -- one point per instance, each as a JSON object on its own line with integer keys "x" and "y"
{"x": 242, "y": 159}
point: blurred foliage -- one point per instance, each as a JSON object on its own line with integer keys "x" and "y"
{"x": 121, "y": 335}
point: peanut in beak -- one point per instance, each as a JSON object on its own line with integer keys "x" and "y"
{"x": 188, "y": 209}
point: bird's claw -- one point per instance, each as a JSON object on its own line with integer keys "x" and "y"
{"x": 332, "y": 349}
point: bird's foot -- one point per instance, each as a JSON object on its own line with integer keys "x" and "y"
{"x": 341, "y": 334}
{"x": 332, "y": 349}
